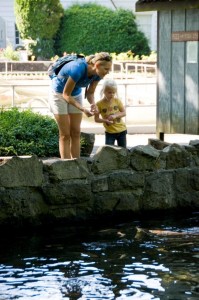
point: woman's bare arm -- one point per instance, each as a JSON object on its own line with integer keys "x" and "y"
{"x": 69, "y": 87}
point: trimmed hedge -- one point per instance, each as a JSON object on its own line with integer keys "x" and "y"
{"x": 91, "y": 28}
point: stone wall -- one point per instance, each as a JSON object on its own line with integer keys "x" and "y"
{"x": 115, "y": 180}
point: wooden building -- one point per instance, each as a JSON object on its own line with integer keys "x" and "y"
{"x": 178, "y": 65}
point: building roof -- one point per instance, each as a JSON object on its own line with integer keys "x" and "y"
{"x": 148, "y": 5}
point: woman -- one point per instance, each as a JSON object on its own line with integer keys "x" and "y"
{"x": 66, "y": 98}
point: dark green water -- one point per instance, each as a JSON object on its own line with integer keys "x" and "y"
{"x": 109, "y": 261}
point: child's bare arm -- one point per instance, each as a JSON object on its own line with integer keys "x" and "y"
{"x": 98, "y": 119}
{"x": 120, "y": 114}
{"x": 101, "y": 120}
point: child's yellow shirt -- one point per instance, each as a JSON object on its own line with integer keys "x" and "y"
{"x": 106, "y": 109}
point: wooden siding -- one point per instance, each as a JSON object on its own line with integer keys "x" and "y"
{"x": 164, "y": 73}
{"x": 192, "y": 81}
{"x": 178, "y": 99}
{"x": 177, "y": 74}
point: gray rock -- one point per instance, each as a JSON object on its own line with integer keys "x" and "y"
{"x": 99, "y": 183}
{"x": 194, "y": 143}
{"x": 108, "y": 158}
{"x": 159, "y": 193}
{"x": 22, "y": 204}
{"x": 63, "y": 169}
{"x": 145, "y": 158}
{"x": 21, "y": 171}
{"x": 177, "y": 157}
{"x": 126, "y": 180}
{"x": 69, "y": 192}
{"x": 115, "y": 201}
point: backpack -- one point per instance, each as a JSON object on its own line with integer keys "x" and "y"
{"x": 54, "y": 69}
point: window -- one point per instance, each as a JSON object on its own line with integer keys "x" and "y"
{"x": 192, "y": 52}
{"x": 17, "y": 36}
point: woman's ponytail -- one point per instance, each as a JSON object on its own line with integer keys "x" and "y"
{"x": 101, "y": 56}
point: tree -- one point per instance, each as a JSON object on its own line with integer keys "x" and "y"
{"x": 38, "y": 20}
{"x": 91, "y": 28}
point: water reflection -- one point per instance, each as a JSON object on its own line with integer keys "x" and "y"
{"x": 103, "y": 263}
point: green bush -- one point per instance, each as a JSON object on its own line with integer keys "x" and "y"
{"x": 91, "y": 28}
{"x": 9, "y": 54}
{"x": 27, "y": 133}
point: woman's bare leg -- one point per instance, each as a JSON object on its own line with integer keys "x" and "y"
{"x": 63, "y": 122}
{"x": 75, "y": 123}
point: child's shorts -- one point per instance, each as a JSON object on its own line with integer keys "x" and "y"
{"x": 59, "y": 106}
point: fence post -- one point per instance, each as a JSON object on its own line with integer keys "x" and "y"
{"x": 13, "y": 96}
{"x": 6, "y": 69}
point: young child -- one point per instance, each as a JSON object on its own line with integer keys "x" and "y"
{"x": 111, "y": 110}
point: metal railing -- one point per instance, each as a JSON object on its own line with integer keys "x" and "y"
{"x": 120, "y": 70}
{"x": 10, "y": 71}
{"x": 22, "y": 95}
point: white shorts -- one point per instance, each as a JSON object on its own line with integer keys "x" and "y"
{"x": 59, "y": 106}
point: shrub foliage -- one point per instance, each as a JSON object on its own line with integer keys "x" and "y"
{"x": 28, "y": 133}
{"x": 91, "y": 28}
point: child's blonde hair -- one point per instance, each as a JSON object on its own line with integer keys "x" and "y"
{"x": 109, "y": 83}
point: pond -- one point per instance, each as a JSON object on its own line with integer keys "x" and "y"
{"x": 144, "y": 258}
